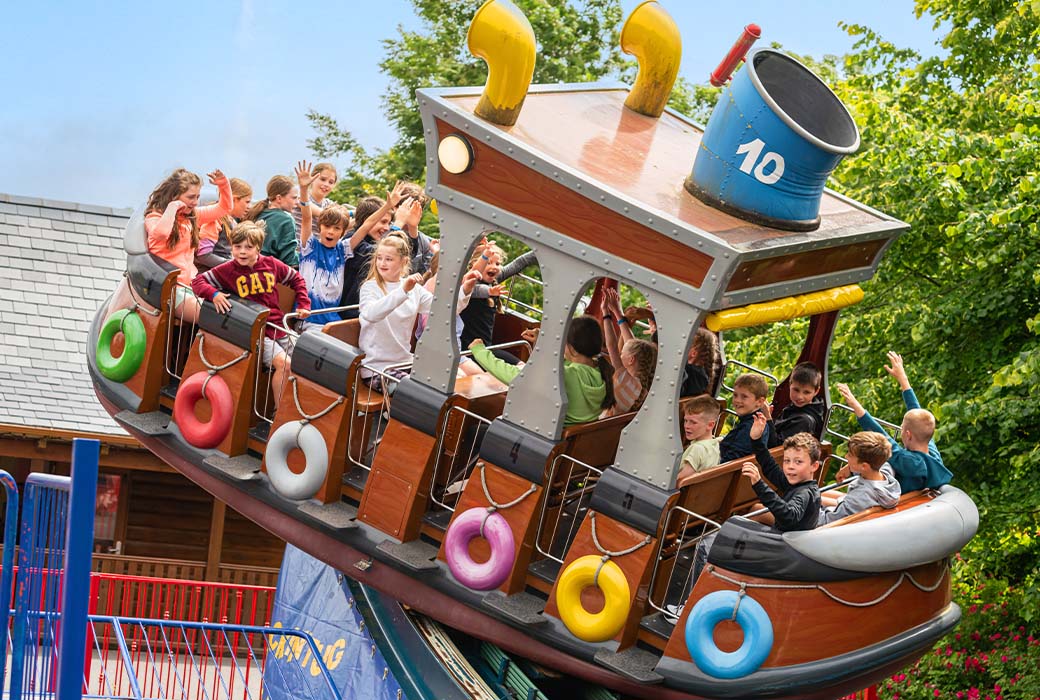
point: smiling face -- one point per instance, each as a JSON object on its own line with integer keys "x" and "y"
{"x": 380, "y": 228}
{"x": 190, "y": 197}
{"x": 323, "y": 184}
{"x": 329, "y": 236}
{"x": 245, "y": 253}
{"x": 798, "y": 465}
{"x": 389, "y": 264}
{"x": 744, "y": 402}
{"x": 802, "y": 394}
{"x": 697, "y": 427}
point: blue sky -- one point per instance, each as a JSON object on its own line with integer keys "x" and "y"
{"x": 101, "y": 100}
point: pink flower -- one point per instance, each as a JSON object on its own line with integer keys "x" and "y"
{"x": 1003, "y": 658}
{"x": 936, "y": 693}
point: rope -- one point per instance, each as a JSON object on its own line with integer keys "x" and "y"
{"x": 213, "y": 369}
{"x": 494, "y": 504}
{"x": 307, "y": 418}
{"x": 903, "y": 575}
{"x": 607, "y": 554}
{"x": 137, "y": 302}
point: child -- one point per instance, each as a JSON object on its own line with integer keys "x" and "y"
{"x": 587, "y": 374}
{"x": 280, "y": 240}
{"x": 407, "y": 218}
{"x": 700, "y": 414}
{"x": 633, "y": 365}
{"x": 805, "y": 412}
{"x": 391, "y": 300}
{"x": 214, "y": 237}
{"x": 876, "y": 485}
{"x": 253, "y": 276}
{"x": 322, "y": 179}
{"x": 701, "y": 364}
{"x": 479, "y": 317}
{"x": 917, "y": 464}
{"x": 357, "y": 267}
{"x": 749, "y": 397}
{"x": 797, "y": 505}
{"x": 324, "y": 256}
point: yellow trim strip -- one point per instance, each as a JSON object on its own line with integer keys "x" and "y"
{"x": 785, "y": 309}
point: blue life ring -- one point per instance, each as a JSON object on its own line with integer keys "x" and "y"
{"x": 700, "y": 629}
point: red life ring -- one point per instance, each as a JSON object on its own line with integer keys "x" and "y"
{"x": 209, "y": 434}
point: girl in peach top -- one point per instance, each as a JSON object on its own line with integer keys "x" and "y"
{"x": 172, "y": 221}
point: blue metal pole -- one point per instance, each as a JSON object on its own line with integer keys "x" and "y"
{"x": 7, "y": 573}
{"x": 79, "y": 543}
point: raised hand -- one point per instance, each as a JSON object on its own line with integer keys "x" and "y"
{"x": 897, "y": 370}
{"x": 469, "y": 281}
{"x": 409, "y": 282}
{"x": 216, "y": 177}
{"x": 303, "y": 174}
{"x": 750, "y": 470}
{"x": 530, "y": 335}
{"x": 395, "y": 195}
{"x": 845, "y": 392}
{"x": 759, "y": 425}
{"x": 413, "y": 213}
{"x": 496, "y": 290}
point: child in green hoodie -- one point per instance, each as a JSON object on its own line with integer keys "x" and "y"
{"x": 587, "y": 373}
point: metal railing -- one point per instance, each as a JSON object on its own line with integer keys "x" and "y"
{"x": 748, "y": 368}
{"x": 291, "y": 317}
{"x": 456, "y": 455}
{"x": 677, "y": 557}
{"x": 179, "y": 336}
{"x": 368, "y": 421}
{"x": 516, "y": 303}
{"x": 264, "y": 392}
{"x": 565, "y": 505}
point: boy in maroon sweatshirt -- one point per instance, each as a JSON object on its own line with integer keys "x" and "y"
{"x": 253, "y": 276}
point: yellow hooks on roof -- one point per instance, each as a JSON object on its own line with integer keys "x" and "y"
{"x": 651, "y": 36}
{"x": 502, "y": 36}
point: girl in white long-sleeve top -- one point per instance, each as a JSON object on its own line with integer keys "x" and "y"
{"x": 391, "y": 299}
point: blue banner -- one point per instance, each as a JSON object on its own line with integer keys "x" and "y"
{"x": 313, "y": 597}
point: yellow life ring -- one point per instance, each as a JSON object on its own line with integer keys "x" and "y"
{"x": 605, "y": 624}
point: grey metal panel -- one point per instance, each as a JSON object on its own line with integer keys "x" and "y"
{"x": 236, "y": 326}
{"x": 135, "y": 239}
{"x": 417, "y": 405}
{"x": 629, "y": 500}
{"x": 941, "y": 527}
{"x": 147, "y": 273}
{"x": 651, "y": 445}
{"x": 437, "y": 352}
{"x": 323, "y": 360}
{"x": 517, "y": 450}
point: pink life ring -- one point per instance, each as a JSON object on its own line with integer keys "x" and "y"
{"x": 490, "y": 574}
{"x": 209, "y": 434}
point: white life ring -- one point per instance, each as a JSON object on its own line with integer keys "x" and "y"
{"x": 304, "y": 485}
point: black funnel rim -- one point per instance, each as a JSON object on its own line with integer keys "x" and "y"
{"x": 749, "y": 64}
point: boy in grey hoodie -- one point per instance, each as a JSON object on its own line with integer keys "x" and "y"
{"x": 877, "y": 486}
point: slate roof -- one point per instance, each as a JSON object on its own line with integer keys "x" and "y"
{"x": 58, "y": 262}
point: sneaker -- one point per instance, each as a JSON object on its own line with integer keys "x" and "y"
{"x": 672, "y": 613}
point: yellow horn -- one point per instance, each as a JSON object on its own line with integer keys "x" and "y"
{"x": 651, "y": 36}
{"x": 502, "y": 36}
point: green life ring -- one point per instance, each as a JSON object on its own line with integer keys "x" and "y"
{"x": 121, "y": 368}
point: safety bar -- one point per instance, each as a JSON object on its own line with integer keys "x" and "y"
{"x": 361, "y": 448}
{"x": 572, "y": 503}
{"x": 440, "y": 489}
{"x": 501, "y": 346}
{"x": 681, "y": 547}
{"x": 293, "y": 315}
{"x": 749, "y": 368}
{"x": 176, "y": 346}
{"x": 266, "y": 397}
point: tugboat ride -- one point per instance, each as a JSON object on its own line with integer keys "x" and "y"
{"x": 471, "y": 501}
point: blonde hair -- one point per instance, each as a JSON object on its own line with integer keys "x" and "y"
{"x": 920, "y": 423}
{"x": 322, "y": 167}
{"x": 252, "y": 231}
{"x": 645, "y": 354}
{"x": 277, "y": 186}
{"x": 240, "y": 188}
{"x": 399, "y": 246}
{"x": 176, "y": 184}
{"x": 703, "y": 405}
